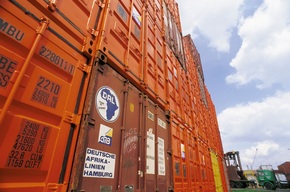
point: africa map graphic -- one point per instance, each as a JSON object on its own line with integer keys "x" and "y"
{"x": 107, "y": 104}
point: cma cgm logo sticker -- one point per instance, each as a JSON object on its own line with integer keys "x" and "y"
{"x": 107, "y": 104}
{"x": 105, "y": 135}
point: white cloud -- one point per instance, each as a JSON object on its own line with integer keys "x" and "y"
{"x": 264, "y": 55}
{"x": 213, "y": 19}
{"x": 260, "y": 125}
{"x": 263, "y": 59}
{"x": 257, "y": 118}
{"x": 258, "y": 152}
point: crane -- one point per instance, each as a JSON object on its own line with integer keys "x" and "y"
{"x": 254, "y": 158}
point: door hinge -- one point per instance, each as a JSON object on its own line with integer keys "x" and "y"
{"x": 72, "y": 118}
{"x": 52, "y": 5}
{"x": 84, "y": 67}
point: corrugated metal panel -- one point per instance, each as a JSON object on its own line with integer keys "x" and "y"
{"x": 154, "y": 73}
{"x": 141, "y": 61}
{"x": 193, "y": 162}
{"x": 178, "y": 154}
{"x": 134, "y": 45}
{"x": 123, "y": 36}
{"x": 158, "y": 160}
{"x": 173, "y": 83}
{"x": 192, "y": 166}
{"x": 41, "y": 96}
{"x": 207, "y": 175}
{"x": 108, "y": 145}
{"x": 173, "y": 35}
{"x": 284, "y": 167}
{"x": 133, "y": 132}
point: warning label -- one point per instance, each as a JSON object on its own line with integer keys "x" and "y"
{"x": 99, "y": 164}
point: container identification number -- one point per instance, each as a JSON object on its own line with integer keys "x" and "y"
{"x": 29, "y": 146}
{"x": 56, "y": 59}
{"x": 46, "y": 92}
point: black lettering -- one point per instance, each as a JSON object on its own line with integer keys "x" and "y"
{"x": 17, "y": 138}
{"x": 36, "y": 157}
{"x": 13, "y": 154}
{"x": 44, "y": 134}
{"x": 18, "y": 37}
{"x": 3, "y": 25}
{"x": 71, "y": 69}
{"x": 3, "y": 61}
{"x": 10, "y": 67}
{"x": 56, "y": 89}
{"x": 39, "y": 149}
{"x": 7, "y": 67}
{"x": 97, "y": 174}
{"x": 48, "y": 52}
{"x": 32, "y": 164}
{"x": 11, "y": 30}
{"x": 42, "y": 50}
{"x": 47, "y": 83}
{"x": 40, "y": 82}
{"x": 56, "y": 59}
{"x": 14, "y": 163}
{"x": 4, "y": 79}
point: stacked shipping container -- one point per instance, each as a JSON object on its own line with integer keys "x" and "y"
{"x": 45, "y": 56}
{"x": 285, "y": 168}
{"x": 104, "y": 96}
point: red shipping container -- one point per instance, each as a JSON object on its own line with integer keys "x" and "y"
{"x": 124, "y": 139}
{"x": 285, "y": 168}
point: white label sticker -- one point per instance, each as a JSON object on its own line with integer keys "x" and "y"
{"x": 137, "y": 17}
{"x": 99, "y": 164}
{"x": 150, "y": 115}
{"x": 150, "y": 156}
{"x": 161, "y": 157}
{"x": 182, "y": 151}
{"x": 107, "y": 104}
{"x": 161, "y": 123}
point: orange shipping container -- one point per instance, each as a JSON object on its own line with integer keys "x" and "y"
{"x": 135, "y": 44}
{"x": 173, "y": 34}
{"x": 45, "y": 56}
{"x": 132, "y": 116}
{"x": 123, "y": 38}
{"x": 154, "y": 69}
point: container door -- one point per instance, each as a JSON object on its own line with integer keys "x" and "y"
{"x": 108, "y": 150}
{"x": 158, "y": 160}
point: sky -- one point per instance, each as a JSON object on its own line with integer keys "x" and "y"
{"x": 244, "y": 47}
